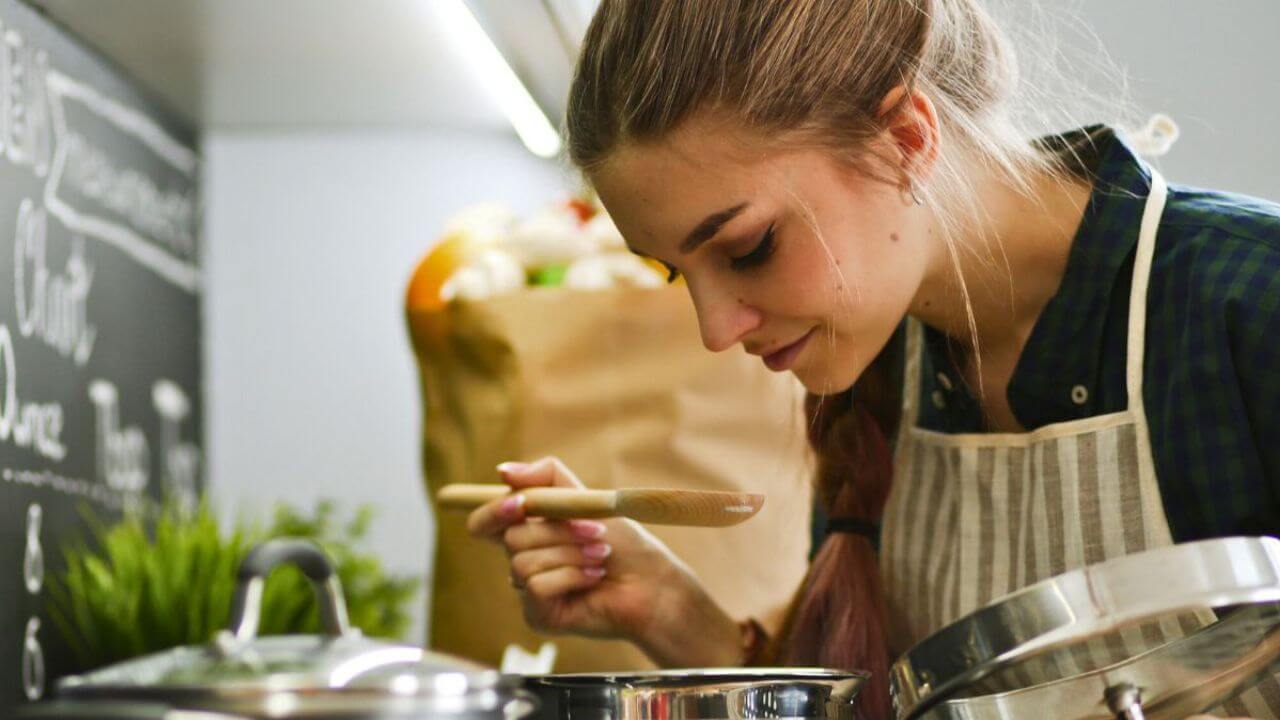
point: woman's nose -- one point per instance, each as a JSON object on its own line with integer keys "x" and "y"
{"x": 723, "y": 319}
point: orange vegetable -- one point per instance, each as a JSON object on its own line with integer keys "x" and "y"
{"x": 452, "y": 252}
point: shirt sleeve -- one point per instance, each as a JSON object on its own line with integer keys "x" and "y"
{"x": 1249, "y": 287}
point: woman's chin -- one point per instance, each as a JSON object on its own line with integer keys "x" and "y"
{"x": 820, "y": 382}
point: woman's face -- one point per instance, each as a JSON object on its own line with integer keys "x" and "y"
{"x": 790, "y": 253}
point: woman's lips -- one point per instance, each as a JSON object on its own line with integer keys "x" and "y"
{"x": 784, "y": 358}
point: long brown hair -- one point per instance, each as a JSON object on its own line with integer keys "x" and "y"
{"x": 838, "y": 616}
{"x": 815, "y": 72}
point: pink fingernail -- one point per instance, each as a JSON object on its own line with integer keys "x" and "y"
{"x": 595, "y": 573}
{"x": 596, "y": 551}
{"x": 586, "y": 529}
{"x": 507, "y": 468}
{"x": 511, "y": 506}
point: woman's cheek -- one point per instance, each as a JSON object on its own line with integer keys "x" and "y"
{"x": 815, "y": 274}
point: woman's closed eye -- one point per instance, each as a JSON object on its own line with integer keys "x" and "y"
{"x": 758, "y": 255}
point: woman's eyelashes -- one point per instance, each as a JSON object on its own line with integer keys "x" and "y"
{"x": 758, "y": 256}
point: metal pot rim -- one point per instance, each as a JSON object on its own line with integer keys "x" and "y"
{"x": 693, "y": 676}
{"x": 701, "y": 694}
{"x": 476, "y": 682}
{"x": 308, "y": 702}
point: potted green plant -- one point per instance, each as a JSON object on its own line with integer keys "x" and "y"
{"x": 165, "y": 578}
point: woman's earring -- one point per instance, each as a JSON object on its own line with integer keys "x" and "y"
{"x": 909, "y": 193}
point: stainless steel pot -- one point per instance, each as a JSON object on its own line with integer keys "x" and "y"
{"x": 339, "y": 675}
{"x": 703, "y": 694}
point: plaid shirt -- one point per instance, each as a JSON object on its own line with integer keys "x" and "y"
{"x": 1212, "y": 365}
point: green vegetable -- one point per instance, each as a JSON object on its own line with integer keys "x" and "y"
{"x": 154, "y": 581}
{"x": 549, "y": 275}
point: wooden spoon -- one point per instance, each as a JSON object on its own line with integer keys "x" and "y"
{"x": 647, "y": 505}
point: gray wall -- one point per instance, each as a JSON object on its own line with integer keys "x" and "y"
{"x": 1211, "y": 65}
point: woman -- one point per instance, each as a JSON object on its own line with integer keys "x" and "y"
{"x": 1086, "y": 368}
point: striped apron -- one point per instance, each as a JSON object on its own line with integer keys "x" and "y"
{"x": 972, "y": 517}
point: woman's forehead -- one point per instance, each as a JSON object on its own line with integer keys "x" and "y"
{"x": 683, "y": 156}
{"x": 657, "y": 193}
{"x": 657, "y": 196}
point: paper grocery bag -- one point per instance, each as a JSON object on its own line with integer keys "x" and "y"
{"x": 617, "y": 384}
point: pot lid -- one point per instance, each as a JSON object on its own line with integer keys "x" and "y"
{"x": 238, "y": 665}
{"x": 1163, "y": 633}
{"x": 295, "y": 662}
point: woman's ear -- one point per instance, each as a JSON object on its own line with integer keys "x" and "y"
{"x": 911, "y": 127}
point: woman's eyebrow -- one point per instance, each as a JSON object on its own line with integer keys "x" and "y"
{"x": 708, "y": 228}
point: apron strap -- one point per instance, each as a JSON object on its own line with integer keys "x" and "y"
{"x": 911, "y": 375}
{"x": 1136, "y": 350}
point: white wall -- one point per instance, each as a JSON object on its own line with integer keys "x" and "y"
{"x": 309, "y": 240}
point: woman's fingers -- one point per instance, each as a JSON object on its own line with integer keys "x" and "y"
{"x": 530, "y": 563}
{"x": 562, "y": 580}
{"x": 547, "y": 533}
{"x": 547, "y": 471}
{"x": 493, "y": 518}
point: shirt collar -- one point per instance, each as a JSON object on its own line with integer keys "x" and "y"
{"x": 1065, "y": 347}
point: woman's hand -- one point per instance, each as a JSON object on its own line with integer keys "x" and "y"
{"x": 610, "y": 579}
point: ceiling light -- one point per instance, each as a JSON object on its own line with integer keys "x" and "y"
{"x": 535, "y": 131}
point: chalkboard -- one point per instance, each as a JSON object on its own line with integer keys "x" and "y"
{"x": 99, "y": 317}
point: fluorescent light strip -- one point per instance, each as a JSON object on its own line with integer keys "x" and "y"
{"x": 535, "y": 131}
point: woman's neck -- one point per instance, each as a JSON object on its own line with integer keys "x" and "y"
{"x": 1011, "y": 258}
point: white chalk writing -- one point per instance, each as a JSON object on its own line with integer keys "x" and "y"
{"x": 51, "y": 306}
{"x": 164, "y": 215}
{"x": 179, "y": 460}
{"x": 27, "y": 424}
{"x": 24, "y": 117}
{"x": 45, "y": 479}
{"x": 32, "y": 662}
{"x": 123, "y": 460}
{"x": 33, "y": 558}
{"x": 151, "y": 222}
